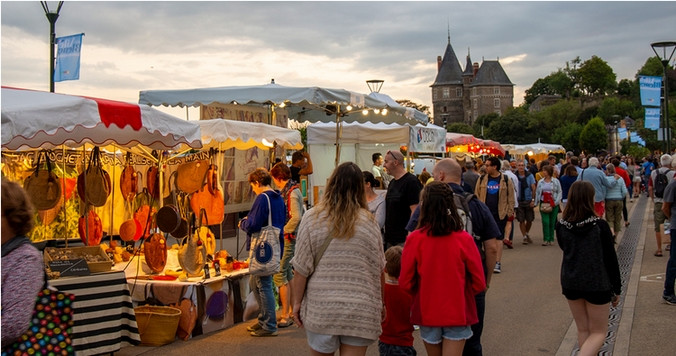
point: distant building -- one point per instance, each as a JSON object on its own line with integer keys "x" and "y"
{"x": 463, "y": 96}
{"x": 543, "y": 101}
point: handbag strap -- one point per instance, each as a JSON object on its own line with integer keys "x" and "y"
{"x": 321, "y": 251}
{"x": 269, "y": 209}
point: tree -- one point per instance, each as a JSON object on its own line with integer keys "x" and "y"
{"x": 540, "y": 87}
{"x": 513, "y": 127}
{"x": 460, "y": 127}
{"x": 410, "y": 104}
{"x": 568, "y": 136}
{"x": 596, "y": 77}
{"x": 555, "y": 116}
{"x": 614, "y": 109}
{"x": 594, "y": 136}
{"x": 485, "y": 121}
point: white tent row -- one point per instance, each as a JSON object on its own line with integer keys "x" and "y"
{"x": 360, "y": 140}
{"x": 534, "y": 149}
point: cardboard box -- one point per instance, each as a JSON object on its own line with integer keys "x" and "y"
{"x": 104, "y": 263}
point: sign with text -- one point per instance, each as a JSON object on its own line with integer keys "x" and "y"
{"x": 650, "y": 89}
{"x": 76, "y": 267}
{"x": 652, "y": 118}
{"x": 426, "y": 139}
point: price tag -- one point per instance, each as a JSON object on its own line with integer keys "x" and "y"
{"x": 217, "y": 268}
{"x": 207, "y": 274}
{"x": 76, "y": 267}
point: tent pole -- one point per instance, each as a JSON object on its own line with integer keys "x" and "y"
{"x": 339, "y": 128}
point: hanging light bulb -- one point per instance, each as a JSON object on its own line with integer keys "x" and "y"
{"x": 349, "y": 108}
{"x": 384, "y": 112}
{"x": 365, "y": 112}
{"x": 377, "y": 111}
{"x": 283, "y": 104}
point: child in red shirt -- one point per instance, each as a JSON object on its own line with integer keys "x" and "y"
{"x": 397, "y": 336}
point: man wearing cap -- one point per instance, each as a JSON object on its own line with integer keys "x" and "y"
{"x": 401, "y": 199}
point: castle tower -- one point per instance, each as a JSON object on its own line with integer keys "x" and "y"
{"x": 447, "y": 90}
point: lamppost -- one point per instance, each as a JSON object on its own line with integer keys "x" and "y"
{"x": 665, "y": 47}
{"x": 52, "y": 17}
{"x": 375, "y": 85}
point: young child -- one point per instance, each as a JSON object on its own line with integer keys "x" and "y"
{"x": 397, "y": 336}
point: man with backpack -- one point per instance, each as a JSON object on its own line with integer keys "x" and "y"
{"x": 483, "y": 228}
{"x": 659, "y": 179}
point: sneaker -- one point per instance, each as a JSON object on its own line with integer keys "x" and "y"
{"x": 669, "y": 299}
{"x": 284, "y": 323}
{"x": 498, "y": 268}
{"x": 508, "y": 244}
{"x": 528, "y": 239}
{"x": 254, "y": 327}
{"x": 525, "y": 240}
{"x": 262, "y": 333}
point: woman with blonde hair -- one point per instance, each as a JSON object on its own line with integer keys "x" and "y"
{"x": 337, "y": 288}
{"x": 548, "y": 196}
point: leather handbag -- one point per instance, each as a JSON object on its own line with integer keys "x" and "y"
{"x": 206, "y": 236}
{"x": 90, "y": 228}
{"x": 190, "y": 176}
{"x": 265, "y": 250}
{"x": 94, "y": 183}
{"x": 153, "y": 182}
{"x": 155, "y": 251}
{"x": 210, "y": 198}
{"x": 43, "y": 187}
{"x": 188, "y": 319}
{"x": 546, "y": 207}
{"x": 128, "y": 180}
{"x": 192, "y": 255}
{"x": 168, "y": 218}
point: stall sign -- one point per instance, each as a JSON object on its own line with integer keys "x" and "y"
{"x": 77, "y": 267}
{"x": 425, "y": 139}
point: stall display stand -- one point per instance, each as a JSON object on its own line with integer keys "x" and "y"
{"x": 103, "y": 314}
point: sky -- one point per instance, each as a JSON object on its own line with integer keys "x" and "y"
{"x": 131, "y": 46}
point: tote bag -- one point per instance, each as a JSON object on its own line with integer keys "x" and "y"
{"x": 264, "y": 252}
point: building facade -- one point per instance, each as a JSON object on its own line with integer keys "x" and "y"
{"x": 463, "y": 95}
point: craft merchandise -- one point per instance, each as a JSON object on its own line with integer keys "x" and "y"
{"x": 264, "y": 254}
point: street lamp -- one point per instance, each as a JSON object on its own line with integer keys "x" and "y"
{"x": 665, "y": 48}
{"x": 375, "y": 85}
{"x": 52, "y": 17}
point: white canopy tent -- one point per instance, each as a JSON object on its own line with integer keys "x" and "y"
{"x": 224, "y": 134}
{"x": 361, "y": 140}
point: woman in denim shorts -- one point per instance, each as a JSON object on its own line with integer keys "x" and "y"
{"x": 443, "y": 292}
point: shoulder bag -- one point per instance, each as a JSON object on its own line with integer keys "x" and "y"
{"x": 264, "y": 254}
{"x": 42, "y": 186}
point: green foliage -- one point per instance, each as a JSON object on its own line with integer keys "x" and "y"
{"x": 596, "y": 77}
{"x": 410, "y": 104}
{"x": 460, "y": 127}
{"x": 303, "y": 135}
{"x": 555, "y": 116}
{"x": 568, "y": 136}
{"x": 652, "y": 66}
{"x": 614, "y": 109}
{"x": 513, "y": 127}
{"x": 633, "y": 149}
{"x": 485, "y": 121}
{"x": 627, "y": 88}
{"x": 594, "y": 136}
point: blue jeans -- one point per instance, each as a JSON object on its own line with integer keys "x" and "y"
{"x": 262, "y": 290}
{"x": 285, "y": 271}
{"x": 671, "y": 268}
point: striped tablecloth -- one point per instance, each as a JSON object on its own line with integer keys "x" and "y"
{"x": 104, "y": 319}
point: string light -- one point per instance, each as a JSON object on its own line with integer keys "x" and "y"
{"x": 349, "y": 108}
{"x": 365, "y": 112}
{"x": 384, "y": 112}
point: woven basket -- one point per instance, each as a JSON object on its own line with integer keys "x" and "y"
{"x": 157, "y": 325}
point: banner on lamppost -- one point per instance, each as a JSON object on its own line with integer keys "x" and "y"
{"x": 650, "y": 90}
{"x": 641, "y": 142}
{"x": 68, "y": 58}
{"x": 633, "y": 137}
{"x": 622, "y": 132}
{"x": 652, "y": 118}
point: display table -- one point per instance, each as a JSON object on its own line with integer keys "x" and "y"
{"x": 218, "y": 299}
{"x": 103, "y": 314}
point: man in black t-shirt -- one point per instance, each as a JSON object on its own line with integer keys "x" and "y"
{"x": 402, "y": 198}
{"x": 301, "y": 165}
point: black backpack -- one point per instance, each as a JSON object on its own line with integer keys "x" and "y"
{"x": 661, "y": 182}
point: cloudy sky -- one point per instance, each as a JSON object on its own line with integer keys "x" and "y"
{"x": 133, "y": 46}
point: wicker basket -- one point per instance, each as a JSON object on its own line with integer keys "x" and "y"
{"x": 157, "y": 325}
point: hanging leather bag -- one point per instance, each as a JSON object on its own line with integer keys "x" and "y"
{"x": 191, "y": 175}
{"x": 43, "y": 187}
{"x": 94, "y": 183}
{"x": 155, "y": 251}
{"x": 210, "y": 198}
{"x": 153, "y": 182}
{"x": 128, "y": 180}
{"x": 90, "y": 228}
{"x": 192, "y": 255}
{"x": 206, "y": 236}
{"x": 168, "y": 218}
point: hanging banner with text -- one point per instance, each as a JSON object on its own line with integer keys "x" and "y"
{"x": 68, "y": 58}
{"x": 622, "y": 132}
{"x": 650, "y": 89}
{"x": 634, "y": 137}
{"x": 427, "y": 139}
{"x": 652, "y": 118}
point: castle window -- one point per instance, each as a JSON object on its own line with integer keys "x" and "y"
{"x": 458, "y": 92}
{"x": 474, "y": 91}
{"x": 496, "y": 102}
{"x": 435, "y": 93}
{"x": 475, "y": 103}
{"x": 496, "y": 90}
{"x": 444, "y": 109}
{"x": 476, "y": 113}
{"x": 447, "y": 93}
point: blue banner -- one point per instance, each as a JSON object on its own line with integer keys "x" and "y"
{"x": 68, "y": 58}
{"x": 622, "y": 132}
{"x": 650, "y": 89}
{"x": 633, "y": 137}
{"x": 652, "y": 118}
{"x": 641, "y": 142}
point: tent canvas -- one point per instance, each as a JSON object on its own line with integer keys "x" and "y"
{"x": 224, "y": 134}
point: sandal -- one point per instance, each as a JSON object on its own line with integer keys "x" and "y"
{"x": 658, "y": 254}
{"x": 284, "y": 323}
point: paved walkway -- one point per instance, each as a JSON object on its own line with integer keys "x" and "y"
{"x": 526, "y": 313}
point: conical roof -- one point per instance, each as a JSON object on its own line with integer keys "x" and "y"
{"x": 450, "y": 71}
{"x": 491, "y": 73}
{"x": 469, "y": 70}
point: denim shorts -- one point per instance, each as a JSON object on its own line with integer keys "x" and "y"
{"x": 331, "y": 343}
{"x": 433, "y": 335}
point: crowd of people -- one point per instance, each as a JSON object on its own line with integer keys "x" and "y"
{"x": 355, "y": 268}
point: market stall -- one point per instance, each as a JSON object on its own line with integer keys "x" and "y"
{"x": 72, "y": 133}
{"x": 537, "y": 151}
{"x": 361, "y": 140}
{"x": 460, "y": 145}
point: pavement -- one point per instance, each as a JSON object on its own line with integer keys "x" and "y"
{"x": 526, "y": 314}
